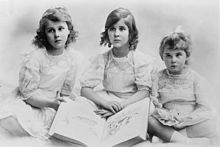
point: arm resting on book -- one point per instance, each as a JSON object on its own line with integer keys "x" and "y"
{"x": 113, "y": 106}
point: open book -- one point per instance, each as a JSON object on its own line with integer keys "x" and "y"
{"x": 76, "y": 122}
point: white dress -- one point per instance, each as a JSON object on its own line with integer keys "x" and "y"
{"x": 41, "y": 75}
{"x": 179, "y": 96}
{"x": 120, "y": 77}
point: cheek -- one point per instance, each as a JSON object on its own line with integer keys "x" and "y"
{"x": 127, "y": 38}
{"x": 128, "y": 35}
{"x": 167, "y": 61}
{"x": 49, "y": 38}
{"x": 109, "y": 35}
{"x": 67, "y": 35}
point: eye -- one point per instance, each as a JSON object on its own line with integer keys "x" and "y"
{"x": 112, "y": 29}
{"x": 167, "y": 55}
{"x": 179, "y": 54}
{"x": 122, "y": 28}
{"x": 61, "y": 28}
{"x": 50, "y": 30}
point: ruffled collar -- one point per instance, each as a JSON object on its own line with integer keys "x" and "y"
{"x": 54, "y": 56}
{"x": 121, "y": 59}
{"x": 185, "y": 72}
{"x": 55, "y": 59}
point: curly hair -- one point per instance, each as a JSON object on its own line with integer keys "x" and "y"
{"x": 113, "y": 18}
{"x": 55, "y": 14}
{"x": 176, "y": 41}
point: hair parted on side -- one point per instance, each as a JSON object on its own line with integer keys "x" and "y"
{"x": 113, "y": 18}
{"x": 177, "y": 40}
{"x": 54, "y": 14}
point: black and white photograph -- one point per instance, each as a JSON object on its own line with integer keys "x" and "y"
{"x": 109, "y": 73}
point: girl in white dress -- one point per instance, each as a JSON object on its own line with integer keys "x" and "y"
{"x": 123, "y": 71}
{"x": 182, "y": 112}
{"x": 47, "y": 74}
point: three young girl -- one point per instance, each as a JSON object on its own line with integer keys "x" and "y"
{"x": 48, "y": 74}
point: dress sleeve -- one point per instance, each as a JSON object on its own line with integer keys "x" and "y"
{"x": 70, "y": 79}
{"x": 143, "y": 69}
{"x": 203, "y": 110}
{"x": 201, "y": 91}
{"x": 94, "y": 74}
{"x": 29, "y": 78}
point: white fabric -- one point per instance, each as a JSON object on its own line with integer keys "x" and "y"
{"x": 41, "y": 76}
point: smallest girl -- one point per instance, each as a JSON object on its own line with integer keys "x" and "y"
{"x": 180, "y": 98}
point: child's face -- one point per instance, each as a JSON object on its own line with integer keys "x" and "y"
{"x": 119, "y": 34}
{"x": 174, "y": 60}
{"x": 57, "y": 34}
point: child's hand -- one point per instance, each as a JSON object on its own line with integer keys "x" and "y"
{"x": 184, "y": 122}
{"x": 179, "y": 125}
{"x": 56, "y": 103}
{"x": 156, "y": 102}
{"x": 73, "y": 96}
{"x": 63, "y": 99}
{"x": 60, "y": 97}
{"x": 104, "y": 113}
{"x": 113, "y": 106}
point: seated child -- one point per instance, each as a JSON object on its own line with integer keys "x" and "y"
{"x": 181, "y": 108}
{"x": 123, "y": 71}
{"x": 47, "y": 74}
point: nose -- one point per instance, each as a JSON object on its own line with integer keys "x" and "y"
{"x": 56, "y": 34}
{"x": 173, "y": 60}
{"x": 116, "y": 33}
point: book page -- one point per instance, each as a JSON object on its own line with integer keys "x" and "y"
{"x": 76, "y": 122}
{"x": 128, "y": 124}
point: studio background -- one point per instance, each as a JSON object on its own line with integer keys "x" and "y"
{"x": 154, "y": 18}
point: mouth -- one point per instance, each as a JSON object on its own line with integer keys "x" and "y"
{"x": 173, "y": 66}
{"x": 58, "y": 41}
{"x": 117, "y": 40}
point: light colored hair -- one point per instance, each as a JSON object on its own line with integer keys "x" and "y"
{"x": 54, "y": 14}
{"x": 177, "y": 41}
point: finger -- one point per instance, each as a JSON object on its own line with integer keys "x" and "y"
{"x": 153, "y": 98}
{"x": 99, "y": 114}
{"x": 61, "y": 99}
{"x": 65, "y": 99}
{"x": 112, "y": 109}
{"x": 107, "y": 114}
{"x": 178, "y": 118}
{"x": 118, "y": 106}
{"x": 155, "y": 103}
{"x": 99, "y": 111}
{"x": 115, "y": 107}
